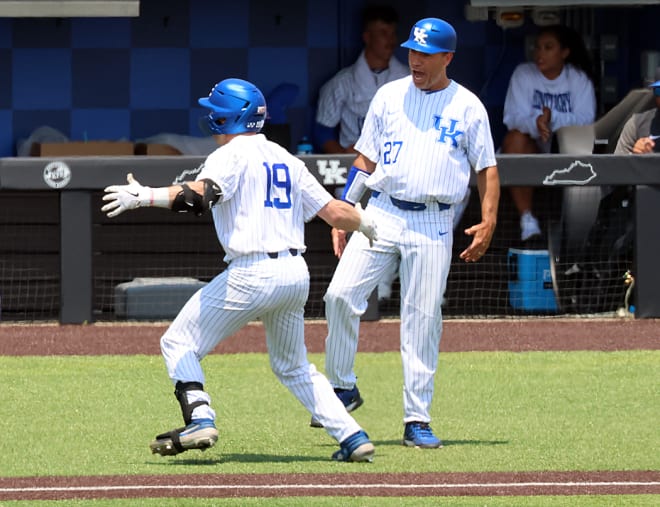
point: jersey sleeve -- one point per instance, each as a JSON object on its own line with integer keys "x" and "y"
{"x": 223, "y": 168}
{"x": 331, "y": 103}
{"x": 314, "y": 195}
{"x": 481, "y": 150}
{"x": 583, "y": 102}
{"x": 368, "y": 143}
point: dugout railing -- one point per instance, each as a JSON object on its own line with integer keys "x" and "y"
{"x": 62, "y": 259}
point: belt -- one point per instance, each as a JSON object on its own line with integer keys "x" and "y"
{"x": 275, "y": 255}
{"x": 411, "y": 206}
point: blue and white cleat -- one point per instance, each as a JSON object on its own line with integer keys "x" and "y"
{"x": 356, "y": 448}
{"x": 419, "y": 434}
{"x": 199, "y": 434}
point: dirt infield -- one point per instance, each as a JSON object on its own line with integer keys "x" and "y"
{"x": 379, "y": 336}
{"x": 375, "y": 336}
{"x": 348, "y": 484}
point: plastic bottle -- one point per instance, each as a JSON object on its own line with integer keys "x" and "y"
{"x": 304, "y": 147}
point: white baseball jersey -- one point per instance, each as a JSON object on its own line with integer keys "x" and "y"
{"x": 344, "y": 99}
{"x": 267, "y": 195}
{"x": 424, "y": 145}
{"x": 570, "y": 97}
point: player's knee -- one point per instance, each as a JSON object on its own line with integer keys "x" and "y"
{"x": 335, "y": 296}
{"x": 518, "y": 142}
{"x": 166, "y": 344}
{"x": 342, "y": 301}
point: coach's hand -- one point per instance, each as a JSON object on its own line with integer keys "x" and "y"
{"x": 367, "y": 225}
{"x": 125, "y": 197}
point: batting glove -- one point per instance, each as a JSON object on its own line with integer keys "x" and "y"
{"x": 367, "y": 225}
{"x": 125, "y": 197}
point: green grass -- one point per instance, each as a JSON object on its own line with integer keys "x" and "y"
{"x": 495, "y": 412}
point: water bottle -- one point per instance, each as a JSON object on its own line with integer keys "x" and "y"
{"x": 304, "y": 147}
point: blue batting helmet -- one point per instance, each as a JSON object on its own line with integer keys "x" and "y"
{"x": 236, "y": 106}
{"x": 432, "y": 35}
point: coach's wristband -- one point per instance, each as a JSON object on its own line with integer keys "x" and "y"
{"x": 355, "y": 185}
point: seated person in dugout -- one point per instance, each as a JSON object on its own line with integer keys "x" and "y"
{"x": 642, "y": 130}
{"x": 344, "y": 99}
{"x": 554, "y": 90}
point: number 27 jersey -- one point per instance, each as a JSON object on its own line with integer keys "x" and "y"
{"x": 425, "y": 143}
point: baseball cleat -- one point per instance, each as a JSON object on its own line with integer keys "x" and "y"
{"x": 199, "y": 434}
{"x": 356, "y": 448}
{"x": 349, "y": 397}
{"x": 418, "y": 434}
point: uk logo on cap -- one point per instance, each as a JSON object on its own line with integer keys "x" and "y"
{"x": 420, "y": 35}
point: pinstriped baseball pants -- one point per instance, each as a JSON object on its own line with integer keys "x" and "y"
{"x": 274, "y": 291}
{"x": 421, "y": 241}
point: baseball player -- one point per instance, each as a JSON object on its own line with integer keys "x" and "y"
{"x": 344, "y": 99}
{"x": 259, "y": 196}
{"x": 421, "y": 137}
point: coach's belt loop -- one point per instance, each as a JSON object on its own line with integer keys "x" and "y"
{"x": 275, "y": 255}
{"x": 409, "y": 205}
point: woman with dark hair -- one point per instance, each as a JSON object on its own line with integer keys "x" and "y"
{"x": 554, "y": 90}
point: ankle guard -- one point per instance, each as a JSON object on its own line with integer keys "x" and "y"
{"x": 180, "y": 391}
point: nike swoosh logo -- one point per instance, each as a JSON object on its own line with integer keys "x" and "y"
{"x": 134, "y": 194}
{"x": 442, "y": 233}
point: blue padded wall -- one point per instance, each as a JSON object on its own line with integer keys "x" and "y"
{"x": 129, "y": 78}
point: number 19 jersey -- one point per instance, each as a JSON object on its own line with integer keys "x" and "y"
{"x": 267, "y": 196}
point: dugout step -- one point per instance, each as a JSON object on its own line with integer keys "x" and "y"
{"x": 154, "y": 298}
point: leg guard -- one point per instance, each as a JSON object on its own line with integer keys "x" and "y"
{"x": 199, "y": 435}
{"x": 180, "y": 391}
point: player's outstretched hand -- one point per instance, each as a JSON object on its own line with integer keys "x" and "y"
{"x": 124, "y": 197}
{"x": 367, "y": 225}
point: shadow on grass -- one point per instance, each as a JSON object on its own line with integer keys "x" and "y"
{"x": 187, "y": 462}
{"x": 240, "y": 458}
{"x": 447, "y": 443}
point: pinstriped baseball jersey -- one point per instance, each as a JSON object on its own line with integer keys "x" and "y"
{"x": 344, "y": 99}
{"x": 257, "y": 174}
{"x": 425, "y": 143}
